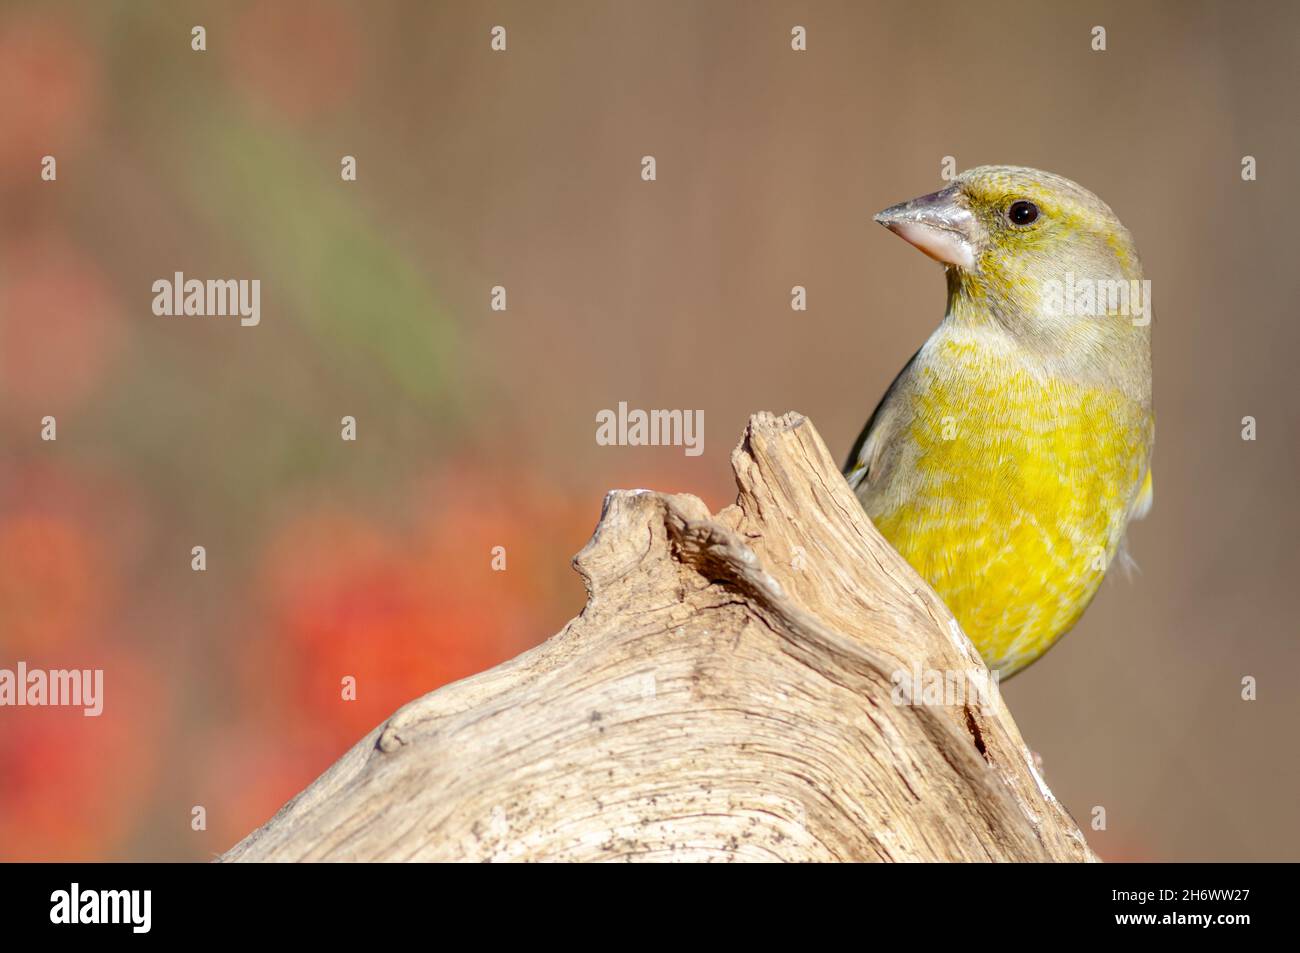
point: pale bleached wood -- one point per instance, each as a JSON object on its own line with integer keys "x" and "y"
{"x": 725, "y": 694}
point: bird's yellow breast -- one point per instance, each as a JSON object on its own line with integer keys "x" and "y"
{"x": 1009, "y": 493}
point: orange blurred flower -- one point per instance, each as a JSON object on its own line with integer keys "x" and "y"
{"x": 59, "y": 327}
{"x": 52, "y": 582}
{"x": 73, "y": 785}
{"x": 349, "y": 600}
{"x": 298, "y": 59}
{"x": 67, "y": 537}
{"x": 406, "y": 611}
{"x": 48, "y": 75}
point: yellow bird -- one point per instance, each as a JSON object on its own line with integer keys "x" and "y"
{"x": 1010, "y": 453}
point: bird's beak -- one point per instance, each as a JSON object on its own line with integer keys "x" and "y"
{"x": 940, "y": 224}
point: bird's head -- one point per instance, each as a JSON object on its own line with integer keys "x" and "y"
{"x": 1028, "y": 248}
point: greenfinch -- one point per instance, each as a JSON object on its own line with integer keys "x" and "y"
{"x": 1008, "y": 456}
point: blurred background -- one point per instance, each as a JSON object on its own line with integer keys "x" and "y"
{"x": 476, "y": 428}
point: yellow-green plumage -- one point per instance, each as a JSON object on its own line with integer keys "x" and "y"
{"x": 1008, "y": 456}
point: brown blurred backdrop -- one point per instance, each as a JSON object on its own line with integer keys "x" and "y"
{"x": 476, "y": 428}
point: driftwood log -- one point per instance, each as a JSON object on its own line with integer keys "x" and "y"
{"x": 728, "y": 693}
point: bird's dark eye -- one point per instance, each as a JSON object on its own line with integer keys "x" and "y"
{"x": 1022, "y": 212}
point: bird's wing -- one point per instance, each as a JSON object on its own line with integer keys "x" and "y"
{"x": 864, "y": 459}
{"x": 1146, "y": 496}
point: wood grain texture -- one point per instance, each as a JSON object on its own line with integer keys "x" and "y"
{"x": 727, "y": 693}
